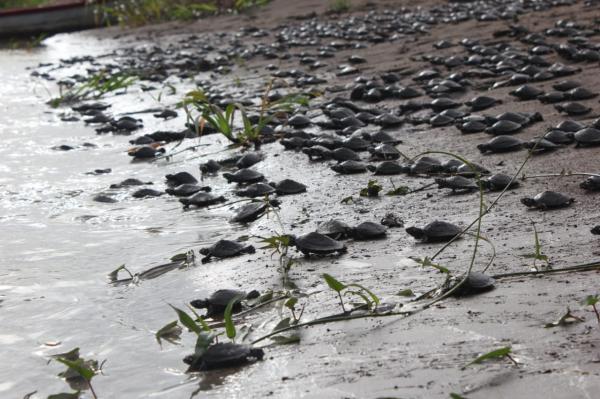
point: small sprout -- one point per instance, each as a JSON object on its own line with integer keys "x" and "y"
{"x": 372, "y": 189}
{"x": 229, "y": 325}
{"x": 365, "y": 294}
{"x": 114, "y": 275}
{"x": 347, "y": 200}
{"x": 537, "y": 255}
{"x": 171, "y": 333}
{"x": 495, "y": 354}
{"x": 566, "y": 319}
{"x": 401, "y": 190}
{"x": 426, "y": 262}
{"x": 406, "y": 292}
{"x": 592, "y": 300}
{"x": 79, "y": 372}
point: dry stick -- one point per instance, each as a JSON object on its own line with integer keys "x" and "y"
{"x": 576, "y": 268}
{"x": 524, "y": 177}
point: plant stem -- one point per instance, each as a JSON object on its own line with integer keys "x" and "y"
{"x": 559, "y": 175}
{"x": 512, "y": 359}
{"x": 89, "y": 383}
{"x": 597, "y": 314}
{"x": 342, "y": 302}
{"x": 576, "y": 268}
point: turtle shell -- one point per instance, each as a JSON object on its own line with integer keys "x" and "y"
{"x": 513, "y": 117}
{"x": 317, "y": 151}
{"x": 481, "y": 102}
{"x": 392, "y": 220}
{"x": 299, "y": 121}
{"x": 527, "y": 92}
{"x": 226, "y": 249}
{"x": 442, "y": 103}
{"x": 387, "y": 119}
{"x": 587, "y": 137}
{"x": 368, "y": 231}
{"x": 541, "y": 145}
{"x": 592, "y": 183}
{"x": 344, "y": 154}
{"x": 256, "y": 190}
{"x": 180, "y": 178}
{"x": 384, "y": 137}
{"x": 201, "y": 199}
{"x": 244, "y": 176}
{"x": 559, "y": 137}
{"x": 248, "y": 159}
{"x": 356, "y": 144}
{"x": 456, "y": 183}
{"x": 289, "y": 187}
{"x": 224, "y": 355}
{"x": 435, "y": 231}
{"x": 472, "y": 127}
{"x": 450, "y": 165}
{"x": 440, "y": 120}
{"x": 129, "y": 183}
{"x": 250, "y": 212}
{"x": 581, "y": 93}
{"x": 388, "y": 168}
{"x": 350, "y": 167}
{"x": 476, "y": 283}
{"x": 385, "y": 151}
{"x": 504, "y": 127}
{"x": 334, "y": 228}
{"x": 317, "y": 243}
{"x": 566, "y": 85}
{"x": 146, "y": 193}
{"x": 185, "y": 190}
{"x": 569, "y": 126}
{"x": 501, "y": 143}
{"x": 426, "y": 165}
{"x": 145, "y": 152}
{"x": 548, "y": 199}
{"x": 498, "y": 181}
{"x": 572, "y": 108}
{"x": 210, "y": 166}
{"x": 553, "y": 97}
{"x": 467, "y": 171}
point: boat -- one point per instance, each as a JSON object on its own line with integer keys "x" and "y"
{"x": 34, "y": 21}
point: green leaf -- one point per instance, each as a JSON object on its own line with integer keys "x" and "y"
{"x": 65, "y": 395}
{"x": 283, "y": 323}
{"x": 186, "y": 320}
{"x": 79, "y": 367}
{"x": 426, "y": 262}
{"x": 73, "y": 355}
{"x": 456, "y": 396}
{"x": 495, "y": 354}
{"x": 229, "y": 325}
{"x": 181, "y": 257}
{"x": 406, "y": 292}
{"x": 203, "y": 341}
{"x": 402, "y": 190}
{"x": 333, "y": 283}
{"x": 374, "y": 297}
{"x": 291, "y": 303}
{"x": 591, "y": 300}
{"x": 171, "y": 332}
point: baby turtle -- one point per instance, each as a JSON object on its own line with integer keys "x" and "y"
{"x": 145, "y": 152}
{"x": 317, "y": 151}
{"x": 252, "y": 211}
{"x": 569, "y": 126}
{"x": 587, "y": 137}
{"x": 256, "y": 190}
{"x": 350, "y": 167}
{"x": 470, "y": 170}
{"x": 501, "y": 143}
{"x": 223, "y": 355}
{"x": 538, "y": 146}
{"x": 180, "y": 178}
{"x": 387, "y": 168}
{"x": 547, "y": 200}
{"x": 216, "y": 304}
{"x": 185, "y": 190}
{"x": 457, "y": 183}
{"x": 210, "y": 166}
{"x": 482, "y": 102}
{"x": 559, "y": 136}
{"x": 595, "y": 230}
{"x": 436, "y": 231}
{"x": 572, "y": 108}
{"x": 249, "y": 159}
{"x": 245, "y": 176}
{"x": 426, "y": 165}
{"x": 344, "y": 154}
{"x": 526, "y": 92}
{"x": 288, "y": 187}
{"x": 592, "y": 183}
{"x": 385, "y": 152}
{"x": 225, "y": 249}
{"x": 498, "y": 182}
{"x": 129, "y": 183}
{"x": 476, "y": 283}
{"x": 504, "y": 127}
{"x": 146, "y": 193}
{"x": 368, "y": 231}
{"x": 334, "y": 228}
{"x": 317, "y": 243}
{"x": 201, "y": 200}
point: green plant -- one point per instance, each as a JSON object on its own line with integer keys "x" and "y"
{"x": 495, "y": 354}
{"x": 79, "y": 372}
{"x": 537, "y": 255}
{"x": 95, "y": 87}
{"x": 370, "y": 299}
{"x": 339, "y": 6}
{"x": 564, "y": 320}
{"x": 592, "y": 300}
{"x": 372, "y": 189}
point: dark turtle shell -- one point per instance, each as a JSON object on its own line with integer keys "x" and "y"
{"x": 244, "y": 176}
{"x": 210, "y": 166}
{"x": 592, "y": 183}
{"x": 317, "y": 243}
{"x": 350, "y": 167}
{"x": 356, "y": 144}
{"x": 369, "y": 231}
{"x": 216, "y": 303}
{"x": 457, "y": 183}
{"x": 553, "y": 97}
{"x": 299, "y": 121}
{"x": 146, "y": 193}
{"x": 566, "y": 85}
{"x": 425, "y": 165}
{"x": 451, "y": 165}
{"x": 201, "y": 199}
{"x": 466, "y": 170}
{"x": 223, "y": 355}
{"x": 334, "y": 228}
{"x": 344, "y": 154}
{"x": 527, "y": 92}
{"x": 581, "y": 93}
{"x": 436, "y": 231}
{"x": 515, "y": 117}
{"x": 392, "y": 220}
{"x": 499, "y": 181}
{"x": 569, "y": 126}
{"x": 129, "y": 183}
{"x": 572, "y": 108}
{"x": 289, "y": 187}
{"x": 317, "y": 151}
{"x": 475, "y": 283}
{"x": 504, "y": 127}
{"x": 547, "y": 200}
{"x": 472, "y": 127}
{"x": 180, "y": 178}
{"x": 587, "y": 137}
{"x": 256, "y": 190}
{"x": 384, "y": 137}
{"x": 145, "y": 152}
{"x": 559, "y": 137}
{"x": 250, "y": 212}
{"x": 538, "y": 146}
{"x": 388, "y": 120}
{"x": 185, "y": 190}
{"x": 248, "y": 159}
{"x": 482, "y": 102}
{"x": 385, "y": 152}
{"x": 502, "y": 143}
{"x": 387, "y": 168}
{"x": 225, "y": 249}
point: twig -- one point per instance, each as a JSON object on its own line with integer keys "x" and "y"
{"x": 524, "y": 177}
{"x": 575, "y": 268}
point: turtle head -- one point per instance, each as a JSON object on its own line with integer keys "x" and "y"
{"x": 371, "y": 168}
{"x": 528, "y": 201}
{"x": 228, "y": 176}
{"x": 257, "y": 353}
{"x": 275, "y": 203}
{"x": 199, "y": 303}
{"x": 536, "y": 117}
{"x": 440, "y": 182}
{"x": 292, "y": 240}
{"x": 272, "y": 184}
{"x": 169, "y": 191}
{"x": 204, "y": 251}
{"x": 482, "y": 148}
{"x": 185, "y": 202}
{"x": 416, "y": 232}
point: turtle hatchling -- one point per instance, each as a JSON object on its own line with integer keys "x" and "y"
{"x": 288, "y": 187}
{"x": 592, "y": 183}
{"x": 245, "y": 176}
{"x": 368, "y": 231}
{"x": 572, "y": 108}
{"x": 201, "y": 200}
{"x": 503, "y": 127}
{"x": 387, "y": 168}
{"x": 436, "y": 231}
{"x": 256, "y": 190}
{"x": 457, "y": 183}
{"x": 317, "y": 243}
{"x": 334, "y": 228}
{"x": 587, "y": 137}
{"x": 252, "y": 211}
{"x": 501, "y": 143}
{"x": 223, "y": 355}
{"x": 350, "y": 167}
{"x": 185, "y": 190}
{"x": 225, "y": 249}
{"x": 547, "y": 200}
{"x": 476, "y": 283}
{"x": 498, "y": 182}
{"x": 180, "y": 178}
{"x": 216, "y": 304}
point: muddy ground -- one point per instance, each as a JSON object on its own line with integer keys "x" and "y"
{"x": 421, "y": 356}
